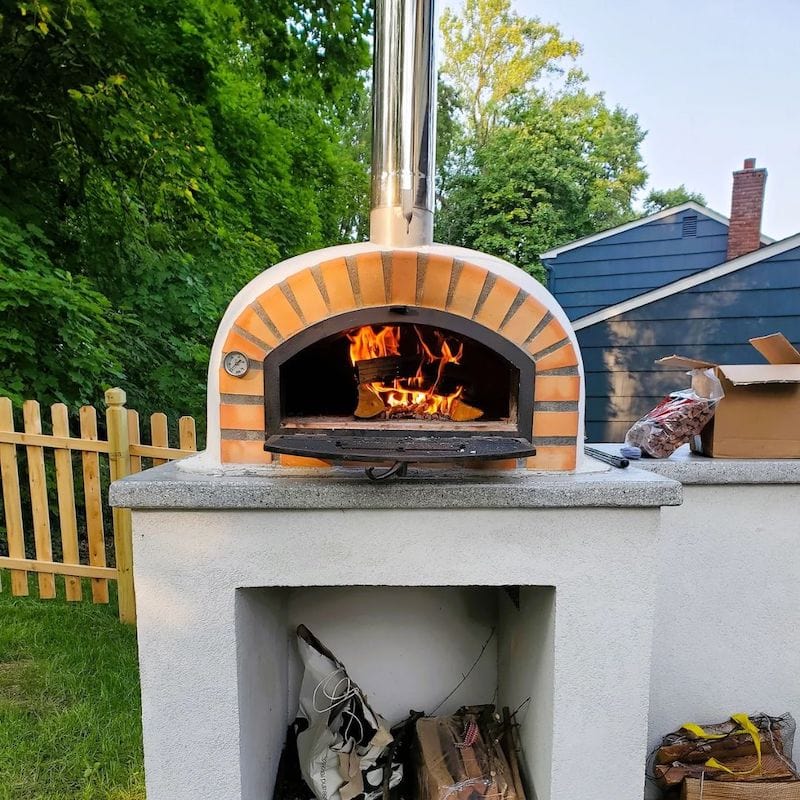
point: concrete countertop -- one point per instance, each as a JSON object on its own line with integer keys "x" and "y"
{"x": 179, "y": 485}
{"x": 691, "y": 469}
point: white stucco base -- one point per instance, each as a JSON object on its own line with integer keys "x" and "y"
{"x": 726, "y": 636}
{"x": 218, "y": 594}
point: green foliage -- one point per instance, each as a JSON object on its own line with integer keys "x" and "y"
{"x": 156, "y": 156}
{"x": 450, "y": 136}
{"x": 530, "y": 158}
{"x": 56, "y": 330}
{"x": 492, "y": 54}
{"x": 560, "y": 169}
{"x": 659, "y": 199}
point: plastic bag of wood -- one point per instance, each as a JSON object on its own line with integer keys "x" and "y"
{"x": 460, "y": 758}
{"x": 678, "y": 417}
{"x": 343, "y": 746}
{"x": 741, "y": 749}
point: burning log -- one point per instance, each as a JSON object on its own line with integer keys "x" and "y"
{"x": 369, "y": 404}
{"x": 385, "y": 368}
{"x": 462, "y": 412}
{"x": 428, "y": 386}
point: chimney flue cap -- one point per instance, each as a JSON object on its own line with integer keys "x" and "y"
{"x": 749, "y": 163}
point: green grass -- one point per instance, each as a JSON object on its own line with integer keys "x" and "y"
{"x": 70, "y": 724}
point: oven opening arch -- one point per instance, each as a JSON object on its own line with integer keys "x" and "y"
{"x": 312, "y": 385}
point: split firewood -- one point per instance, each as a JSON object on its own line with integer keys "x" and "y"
{"x": 385, "y": 369}
{"x": 462, "y": 412}
{"x": 369, "y": 404}
{"x": 460, "y": 758}
{"x": 724, "y": 728}
{"x": 694, "y": 789}
{"x": 510, "y": 747}
{"x": 773, "y": 768}
{"x": 732, "y": 746}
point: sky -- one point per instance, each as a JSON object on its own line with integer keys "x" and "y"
{"x": 712, "y": 81}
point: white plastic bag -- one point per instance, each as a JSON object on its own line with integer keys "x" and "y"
{"x": 346, "y": 745}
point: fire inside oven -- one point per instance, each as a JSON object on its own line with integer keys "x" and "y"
{"x": 403, "y": 384}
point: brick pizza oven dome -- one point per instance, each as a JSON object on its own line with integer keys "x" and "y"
{"x": 486, "y": 292}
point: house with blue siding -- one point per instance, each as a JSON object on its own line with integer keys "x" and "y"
{"x": 686, "y": 280}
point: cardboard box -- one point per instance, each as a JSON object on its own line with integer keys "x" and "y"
{"x": 759, "y": 417}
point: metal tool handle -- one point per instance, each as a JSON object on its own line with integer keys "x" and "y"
{"x": 608, "y": 458}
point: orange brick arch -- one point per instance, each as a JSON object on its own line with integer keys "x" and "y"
{"x": 402, "y": 277}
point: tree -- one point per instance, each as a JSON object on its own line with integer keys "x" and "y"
{"x": 540, "y": 159}
{"x": 155, "y": 157}
{"x": 557, "y": 170}
{"x": 57, "y": 331}
{"x": 659, "y": 199}
{"x": 492, "y": 54}
{"x": 450, "y": 136}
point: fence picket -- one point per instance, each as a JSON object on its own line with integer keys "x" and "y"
{"x": 159, "y": 434}
{"x": 11, "y": 499}
{"x": 65, "y": 486}
{"x": 134, "y": 438}
{"x": 94, "y": 504}
{"x": 188, "y": 434}
{"x": 119, "y": 462}
{"x": 125, "y": 453}
{"x": 39, "y": 506}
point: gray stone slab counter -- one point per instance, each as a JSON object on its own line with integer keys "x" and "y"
{"x": 691, "y": 469}
{"x": 178, "y": 486}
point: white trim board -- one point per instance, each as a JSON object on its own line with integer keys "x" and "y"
{"x": 667, "y": 212}
{"x": 688, "y": 282}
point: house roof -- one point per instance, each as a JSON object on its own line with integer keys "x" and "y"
{"x": 667, "y": 212}
{"x": 689, "y": 282}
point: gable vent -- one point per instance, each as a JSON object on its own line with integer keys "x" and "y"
{"x": 690, "y": 225}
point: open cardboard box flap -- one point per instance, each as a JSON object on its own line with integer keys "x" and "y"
{"x": 685, "y": 362}
{"x": 776, "y": 348}
{"x": 749, "y": 374}
{"x": 783, "y": 367}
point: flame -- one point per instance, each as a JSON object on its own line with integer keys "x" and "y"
{"x": 412, "y": 395}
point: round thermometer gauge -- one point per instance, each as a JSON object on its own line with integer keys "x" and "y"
{"x": 236, "y": 364}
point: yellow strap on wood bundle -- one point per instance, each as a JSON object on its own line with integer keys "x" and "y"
{"x": 746, "y": 726}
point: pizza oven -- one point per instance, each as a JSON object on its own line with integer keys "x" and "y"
{"x": 397, "y": 350}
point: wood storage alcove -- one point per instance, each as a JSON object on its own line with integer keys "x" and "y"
{"x": 399, "y": 382}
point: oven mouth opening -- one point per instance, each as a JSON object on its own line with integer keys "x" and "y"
{"x": 399, "y": 384}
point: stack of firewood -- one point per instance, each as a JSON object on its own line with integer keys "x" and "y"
{"x": 469, "y": 755}
{"x": 727, "y": 753}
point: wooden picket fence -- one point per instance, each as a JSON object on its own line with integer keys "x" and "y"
{"x": 83, "y": 552}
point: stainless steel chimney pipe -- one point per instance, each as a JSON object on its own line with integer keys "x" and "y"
{"x": 403, "y": 123}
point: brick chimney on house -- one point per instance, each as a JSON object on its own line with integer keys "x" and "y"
{"x": 747, "y": 203}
